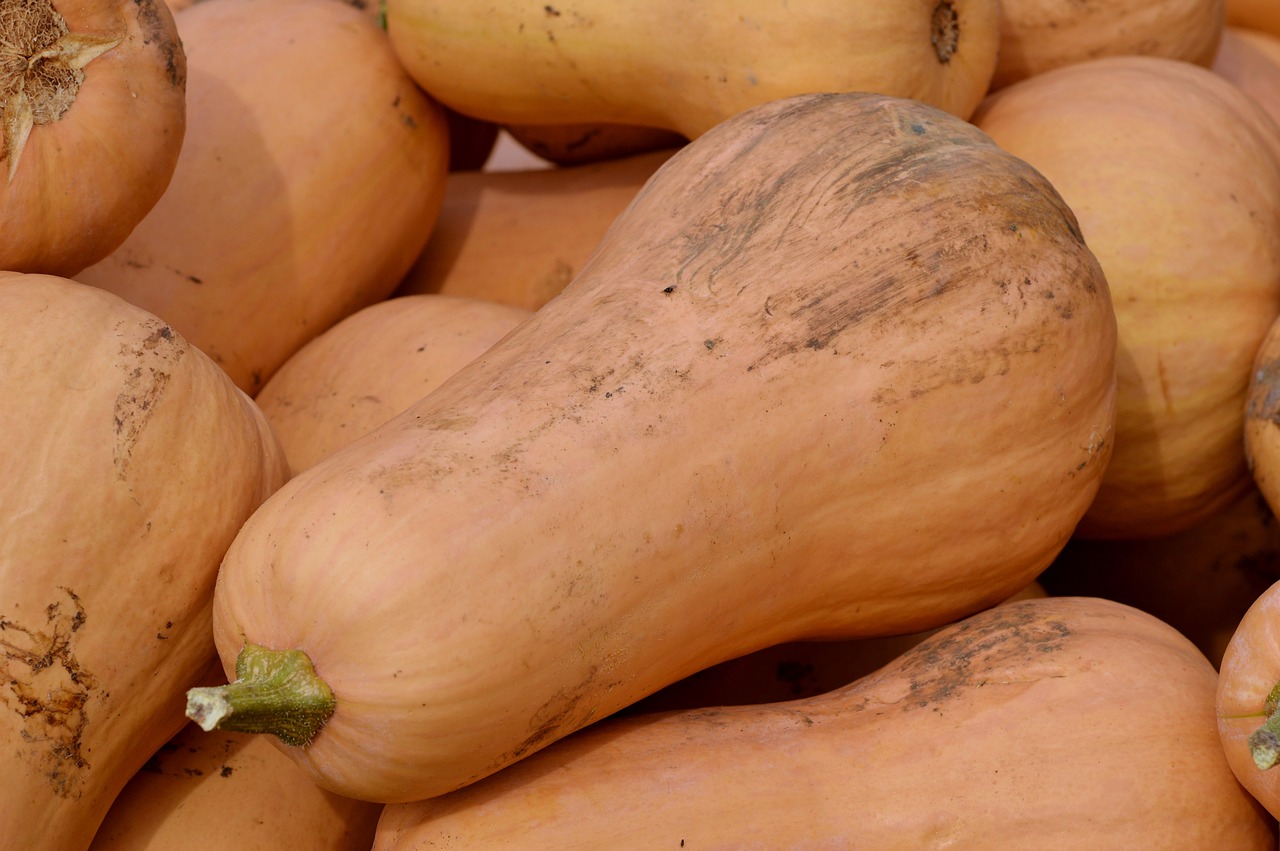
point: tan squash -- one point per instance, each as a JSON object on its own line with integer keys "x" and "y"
{"x": 723, "y": 435}
{"x": 1039, "y": 35}
{"x": 1248, "y": 691}
{"x": 1173, "y": 173}
{"x": 1262, "y": 418}
{"x": 295, "y": 202}
{"x": 1251, "y": 60}
{"x": 1200, "y": 581}
{"x": 130, "y": 462}
{"x": 519, "y": 237}
{"x": 230, "y": 792}
{"x": 1254, "y": 14}
{"x": 578, "y": 144}
{"x": 661, "y": 65}
{"x": 1070, "y": 723}
{"x": 374, "y": 364}
{"x": 92, "y": 94}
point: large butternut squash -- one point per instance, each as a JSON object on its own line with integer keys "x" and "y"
{"x": 778, "y": 403}
{"x": 130, "y": 462}
{"x": 311, "y": 175}
{"x": 1066, "y": 723}
{"x": 668, "y": 65}
{"x": 1174, "y": 175}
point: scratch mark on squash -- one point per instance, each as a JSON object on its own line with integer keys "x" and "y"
{"x": 150, "y": 368}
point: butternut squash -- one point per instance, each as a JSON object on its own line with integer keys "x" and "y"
{"x": 730, "y": 417}
{"x": 664, "y": 65}
{"x": 312, "y": 173}
{"x": 1064, "y": 723}
{"x": 75, "y": 182}
{"x": 374, "y": 364}
{"x": 1039, "y": 35}
{"x": 1174, "y": 176}
{"x": 130, "y": 462}
{"x": 519, "y": 237}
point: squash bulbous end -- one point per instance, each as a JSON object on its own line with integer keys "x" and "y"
{"x": 275, "y": 691}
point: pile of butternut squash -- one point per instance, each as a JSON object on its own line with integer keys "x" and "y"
{"x": 848, "y": 425}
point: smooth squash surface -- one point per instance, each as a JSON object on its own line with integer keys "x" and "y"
{"x": 1029, "y": 726}
{"x": 1173, "y": 173}
{"x": 778, "y": 399}
{"x": 668, "y": 65}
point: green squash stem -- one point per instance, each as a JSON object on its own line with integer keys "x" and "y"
{"x": 1264, "y": 743}
{"x": 275, "y": 691}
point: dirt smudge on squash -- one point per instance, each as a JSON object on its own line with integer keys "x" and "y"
{"x": 1264, "y": 392}
{"x": 156, "y": 31}
{"x": 46, "y": 685}
{"x": 976, "y": 651}
{"x": 149, "y": 364}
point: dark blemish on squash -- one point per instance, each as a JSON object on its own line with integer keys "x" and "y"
{"x": 945, "y": 31}
{"x": 226, "y": 771}
{"x": 149, "y": 364}
{"x": 50, "y": 691}
{"x": 551, "y": 11}
{"x": 669, "y": 290}
{"x": 918, "y": 129}
{"x": 710, "y": 344}
{"x": 155, "y": 32}
{"x": 557, "y": 716}
{"x": 976, "y": 651}
{"x": 1264, "y": 392}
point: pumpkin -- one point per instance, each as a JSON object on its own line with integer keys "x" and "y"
{"x": 1173, "y": 174}
{"x": 1065, "y": 723}
{"x": 1254, "y": 14}
{"x": 1039, "y": 35}
{"x": 730, "y": 418}
{"x": 661, "y": 65}
{"x": 1251, "y": 60}
{"x": 75, "y": 181}
{"x": 280, "y": 220}
{"x": 578, "y": 144}
{"x": 519, "y": 237}
{"x": 1248, "y": 685}
{"x": 1200, "y": 581}
{"x": 130, "y": 462}
{"x": 230, "y": 792}
{"x": 374, "y": 364}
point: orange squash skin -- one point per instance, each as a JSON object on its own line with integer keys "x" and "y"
{"x": 732, "y": 329}
{"x": 1250, "y": 670}
{"x": 84, "y": 181}
{"x": 661, "y": 66}
{"x": 1174, "y": 175}
{"x": 1251, "y": 60}
{"x": 373, "y": 365}
{"x": 519, "y": 237}
{"x": 1027, "y": 726}
{"x": 124, "y": 479}
{"x": 1040, "y": 35}
{"x": 279, "y": 220}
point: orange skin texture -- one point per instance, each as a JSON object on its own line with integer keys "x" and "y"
{"x": 280, "y": 220}
{"x": 1026, "y": 726}
{"x": 721, "y": 398}
{"x": 1039, "y": 35}
{"x": 1251, "y": 60}
{"x": 1254, "y": 14}
{"x": 1250, "y": 670}
{"x": 1173, "y": 174}
{"x": 124, "y": 479}
{"x": 373, "y": 365}
{"x": 519, "y": 237}
{"x": 84, "y": 181}
{"x": 664, "y": 65}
